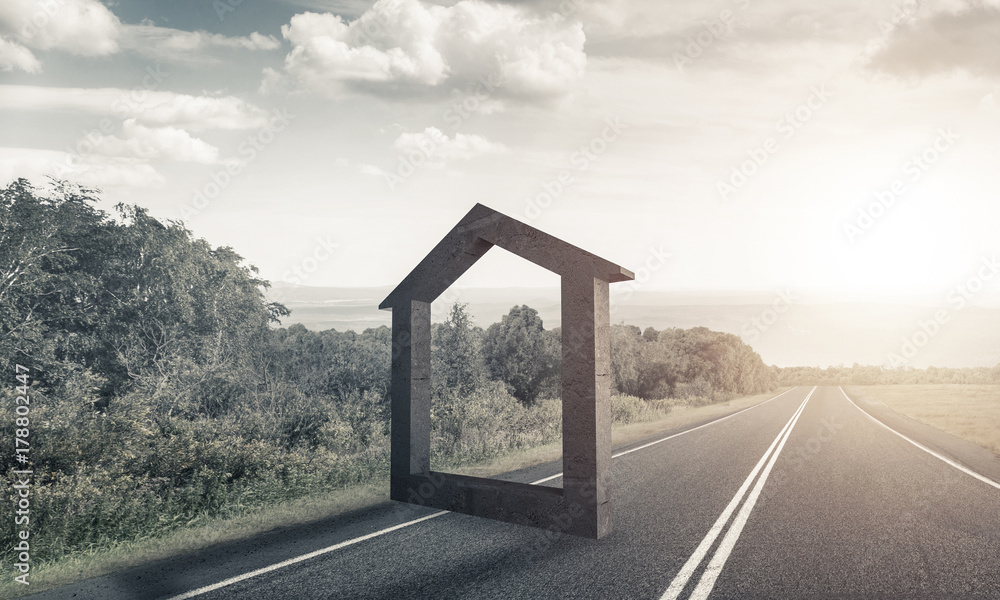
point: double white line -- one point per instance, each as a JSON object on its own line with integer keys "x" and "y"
{"x": 718, "y": 561}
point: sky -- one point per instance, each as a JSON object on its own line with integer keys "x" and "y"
{"x": 721, "y": 145}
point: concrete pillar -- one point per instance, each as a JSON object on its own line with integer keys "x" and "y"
{"x": 586, "y": 399}
{"x": 411, "y": 395}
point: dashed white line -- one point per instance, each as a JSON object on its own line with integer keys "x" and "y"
{"x": 951, "y": 462}
{"x": 722, "y": 552}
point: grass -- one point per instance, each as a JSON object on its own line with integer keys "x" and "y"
{"x": 122, "y": 555}
{"x": 971, "y": 412}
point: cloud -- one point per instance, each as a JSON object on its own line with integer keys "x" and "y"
{"x": 408, "y": 48}
{"x": 155, "y": 143}
{"x": 107, "y": 160}
{"x": 367, "y": 169}
{"x": 83, "y": 27}
{"x": 149, "y": 107}
{"x": 949, "y": 40}
{"x": 439, "y": 149}
{"x": 991, "y": 101}
{"x": 88, "y": 28}
{"x": 93, "y": 171}
{"x": 201, "y": 112}
{"x": 15, "y": 57}
{"x": 169, "y": 44}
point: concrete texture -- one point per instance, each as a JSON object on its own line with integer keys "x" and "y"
{"x": 583, "y": 506}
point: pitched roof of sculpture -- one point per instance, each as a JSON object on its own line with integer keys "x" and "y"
{"x": 477, "y": 232}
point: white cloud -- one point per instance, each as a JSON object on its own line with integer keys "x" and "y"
{"x": 109, "y": 160}
{"x": 362, "y": 168}
{"x": 84, "y": 27}
{"x": 438, "y": 148}
{"x": 367, "y": 169}
{"x": 88, "y": 28}
{"x": 95, "y": 171}
{"x": 157, "y": 143}
{"x": 990, "y": 101}
{"x": 148, "y": 107}
{"x": 165, "y": 43}
{"x": 951, "y": 38}
{"x": 406, "y": 47}
{"x": 201, "y": 112}
{"x": 15, "y": 57}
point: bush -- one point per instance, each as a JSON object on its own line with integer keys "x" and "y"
{"x": 490, "y": 422}
{"x": 632, "y": 409}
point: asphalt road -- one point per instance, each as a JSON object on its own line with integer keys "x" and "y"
{"x": 803, "y": 496}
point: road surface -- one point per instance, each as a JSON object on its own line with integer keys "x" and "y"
{"x": 806, "y": 495}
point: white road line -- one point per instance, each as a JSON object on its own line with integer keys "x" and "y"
{"x": 670, "y": 437}
{"x": 718, "y": 561}
{"x": 951, "y": 462}
{"x": 298, "y": 559}
{"x": 682, "y": 577}
{"x": 320, "y": 552}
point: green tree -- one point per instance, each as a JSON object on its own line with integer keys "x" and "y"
{"x": 129, "y": 301}
{"x": 47, "y": 284}
{"x": 456, "y": 353}
{"x": 519, "y": 353}
{"x": 626, "y": 355}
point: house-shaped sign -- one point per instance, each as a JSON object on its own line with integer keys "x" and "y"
{"x": 582, "y": 506}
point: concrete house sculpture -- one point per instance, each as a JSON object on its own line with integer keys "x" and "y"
{"x": 582, "y": 506}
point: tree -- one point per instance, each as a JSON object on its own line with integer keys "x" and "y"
{"x": 43, "y": 244}
{"x": 332, "y": 363}
{"x": 123, "y": 301}
{"x": 700, "y": 362}
{"x": 626, "y": 355}
{"x": 519, "y": 353}
{"x": 456, "y": 353}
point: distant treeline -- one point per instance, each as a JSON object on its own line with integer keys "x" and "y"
{"x": 869, "y": 375}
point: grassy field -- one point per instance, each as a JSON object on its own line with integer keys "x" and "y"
{"x": 971, "y": 412}
{"x": 318, "y": 506}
